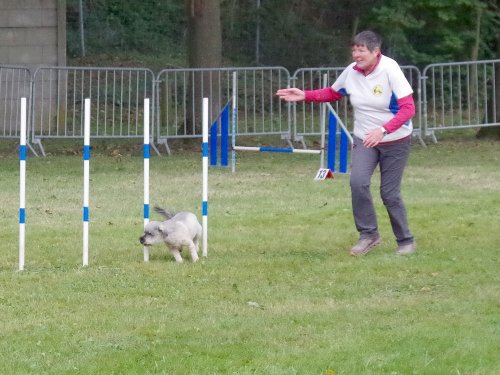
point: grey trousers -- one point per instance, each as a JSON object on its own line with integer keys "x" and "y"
{"x": 392, "y": 159}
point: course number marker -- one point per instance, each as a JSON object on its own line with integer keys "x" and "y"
{"x": 323, "y": 174}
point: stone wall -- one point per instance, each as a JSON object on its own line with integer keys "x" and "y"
{"x": 32, "y": 32}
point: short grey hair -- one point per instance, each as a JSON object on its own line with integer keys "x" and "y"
{"x": 368, "y": 39}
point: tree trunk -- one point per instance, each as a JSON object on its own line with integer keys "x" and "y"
{"x": 204, "y": 33}
{"x": 204, "y": 51}
{"x": 493, "y": 131}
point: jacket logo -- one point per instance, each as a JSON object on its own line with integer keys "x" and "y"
{"x": 377, "y": 90}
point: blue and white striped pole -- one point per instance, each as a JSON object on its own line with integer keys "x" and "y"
{"x": 86, "y": 179}
{"x": 205, "y": 177}
{"x": 22, "y": 185}
{"x": 146, "y": 171}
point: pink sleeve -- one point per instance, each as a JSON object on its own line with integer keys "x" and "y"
{"x": 327, "y": 94}
{"x": 406, "y": 112}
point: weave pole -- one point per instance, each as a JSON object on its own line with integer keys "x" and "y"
{"x": 22, "y": 185}
{"x": 146, "y": 171}
{"x": 205, "y": 177}
{"x": 86, "y": 178}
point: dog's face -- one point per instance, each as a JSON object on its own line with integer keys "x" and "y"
{"x": 153, "y": 234}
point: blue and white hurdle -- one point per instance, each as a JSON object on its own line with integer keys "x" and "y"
{"x": 332, "y": 149}
{"x": 337, "y": 153}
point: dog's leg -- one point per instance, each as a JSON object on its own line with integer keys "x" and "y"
{"x": 194, "y": 251}
{"x": 196, "y": 242}
{"x": 176, "y": 253}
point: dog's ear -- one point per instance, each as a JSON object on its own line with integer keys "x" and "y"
{"x": 162, "y": 228}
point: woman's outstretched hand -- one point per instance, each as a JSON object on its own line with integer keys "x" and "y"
{"x": 291, "y": 95}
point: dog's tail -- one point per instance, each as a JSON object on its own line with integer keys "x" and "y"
{"x": 163, "y": 212}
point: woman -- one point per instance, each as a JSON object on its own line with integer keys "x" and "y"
{"x": 383, "y": 107}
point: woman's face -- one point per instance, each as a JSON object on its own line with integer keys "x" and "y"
{"x": 363, "y": 57}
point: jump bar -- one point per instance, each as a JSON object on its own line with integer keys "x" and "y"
{"x": 276, "y": 149}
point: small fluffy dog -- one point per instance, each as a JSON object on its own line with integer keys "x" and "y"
{"x": 180, "y": 230}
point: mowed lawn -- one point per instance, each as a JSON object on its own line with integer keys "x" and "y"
{"x": 278, "y": 293}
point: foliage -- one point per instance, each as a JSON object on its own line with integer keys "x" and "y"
{"x": 278, "y": 293}
{"x": 148, "y": 26}
{"x": 423, "y": 32}
{"x": 294, "y": 34}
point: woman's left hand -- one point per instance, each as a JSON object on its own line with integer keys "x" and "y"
{"x": 373, "y": 137}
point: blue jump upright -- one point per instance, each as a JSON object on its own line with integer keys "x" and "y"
{"x": 332, "y": 146}
{"x": 223, "y": 119}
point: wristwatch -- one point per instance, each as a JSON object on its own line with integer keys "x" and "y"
{"x": 384, "y": 132}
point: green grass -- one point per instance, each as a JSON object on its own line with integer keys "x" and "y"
{"x": 278, "y": 293}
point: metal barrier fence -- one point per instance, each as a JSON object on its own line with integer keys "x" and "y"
{"x": 15, "y": 83}
{"x": 461, "y": 95}
{"x": 116, "y": 95}
{"x": 180, "y": 93}
{"x": 448, "y": 96}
